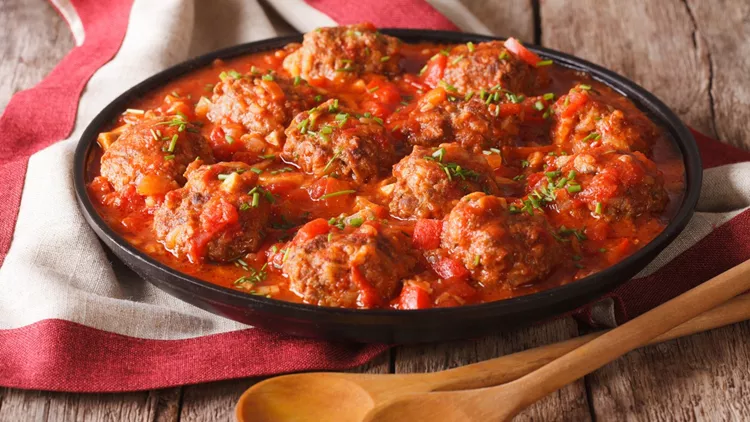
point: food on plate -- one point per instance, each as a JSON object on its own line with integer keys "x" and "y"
{"x": 356, "y": 170}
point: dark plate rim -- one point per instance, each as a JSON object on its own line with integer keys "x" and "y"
{"x": 597, "y": 282}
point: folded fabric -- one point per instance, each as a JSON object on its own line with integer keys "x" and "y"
{"x": 74, "y": 319}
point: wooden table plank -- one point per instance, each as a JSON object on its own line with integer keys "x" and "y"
{"x": 216, "y": 401}
{"x": 724, "y": 27}
{"x": 651, "y": 42}
{"x": 28, "y": 53}
{"x": 568, "y": 404}
{"x": 657, "y": 44}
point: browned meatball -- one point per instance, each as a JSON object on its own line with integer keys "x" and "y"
{"x": 220, "y": 214}
{"x": 344, "y": 52}
{"x": 584, "y": 118}
{"x": 152, "y": 155}
{"x": 486, "y": 65}
{"x": 355, "y": 268}
{"x": 333, "y": 140}
{"x": 474, "y": 124}
{"x": 430, "y": 181}
{"x": 498, "y": 246}
{"x": 263, "y": 105}
{"x": 604, "y": 182}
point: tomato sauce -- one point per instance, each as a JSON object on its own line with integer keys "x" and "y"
{"x": 591, "y": 243}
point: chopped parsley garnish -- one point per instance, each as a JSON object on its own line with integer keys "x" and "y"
{"x": 524, "y": 164}
{"x": 302, "y": 126}
{"x": 256, "y": 170}
{"x": 256, "y": 192}
{"x": 457, "y": 59}
{"x": 385, "y": 59}
{"x": 345, "y": 69}
{"x": 548, "y": 96}
{"x": 168, "y": 157}
{"x": 267, "y": 156}
{"x": 544, "y": 63}
{"x": 447, "y": 86}
{"x": 470, "y": 46}
{"x": 599, "y": 208}
{"x": 584, "y": 87}
{"x": 172, "y": 143}
{"x": 503, "y": 55}
{"x": 229, "y": 139}
{"x": 297, "y": 80}
{"x": 592, "y": 136}
{"x": 282, "y": 170}
{"x": 422, "y": 70}
{"x": 330, "y": 162}
{"x": 356, "y": 221}
{"x": 539, "y": 105}
{"x": 255, "y": 276}
{"x": 339, "y": 193}
{"x": 267, "y": 77}
{"x": 334, "y": 106}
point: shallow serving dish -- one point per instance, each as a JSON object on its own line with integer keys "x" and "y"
{"x": 392, "y": 326}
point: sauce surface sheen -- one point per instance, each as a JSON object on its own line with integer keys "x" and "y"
{"x": 354, "y": 170}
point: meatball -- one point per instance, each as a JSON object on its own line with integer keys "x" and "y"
{"x": 344, "y": 52}
{"x": 485, "y": 65}
{"x": 220, "y": 214}
{"x": 472, "y": 123}
{"x": 587, "y": 118}
{"x": 152, "y": 155}
{"x": 262, "y": 105}
{"x": 356, "y": 267}
{"x": 430, "y": 181}
{"x": 333, "y": 140}
{"x": 605, "y": 183}
{"x": 498, "y": 246}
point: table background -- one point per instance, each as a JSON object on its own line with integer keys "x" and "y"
{"x": 693, "y": 54}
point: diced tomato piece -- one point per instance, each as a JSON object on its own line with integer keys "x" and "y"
{"x": 376, "y": 108}
{"x": 414, "y": 297}
{"x": 598, "y": 230}
{"x": 448, "y": 268}
{"x": 384, "y": 92}
{"x": 312, "y": 229}
{"x": 217, "y": 217}
{"x": 368, "y": 296}
{"x": 509, "y": 109}
{"x": 522, "y": 52}
{"x": 427, "y": 234}
{"x": 435, "y": 69}
{"x": 224, "y": 148}
{"x": 576, "y": 100}
{"x": 326, "y": 185}
{"x": 459, "y": 287}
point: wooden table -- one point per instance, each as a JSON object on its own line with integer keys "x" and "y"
{"x": 693, "y": 54}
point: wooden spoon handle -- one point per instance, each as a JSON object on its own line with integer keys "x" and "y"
{"x": 511, "y": 367}
{"x": 636, "y": 333}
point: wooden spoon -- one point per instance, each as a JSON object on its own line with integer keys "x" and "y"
{"x": 349, "y": 396}
{"x": 503, "y": 402}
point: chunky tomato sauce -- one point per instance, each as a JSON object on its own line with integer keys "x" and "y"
{"x": 358, "y": 171}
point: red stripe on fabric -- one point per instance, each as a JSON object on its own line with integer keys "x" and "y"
{"x": 715, "y": 153}
{"x": 385, "y": 13}
{"x": 45, "y": 114}
{"x": 60, "y": 355}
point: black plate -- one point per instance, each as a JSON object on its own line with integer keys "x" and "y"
{"x": 389, "y": 325}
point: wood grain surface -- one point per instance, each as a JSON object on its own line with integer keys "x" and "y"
{"x": 693, "y": 54}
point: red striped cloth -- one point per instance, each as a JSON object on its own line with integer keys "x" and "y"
{"x": 57, "y": 353}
